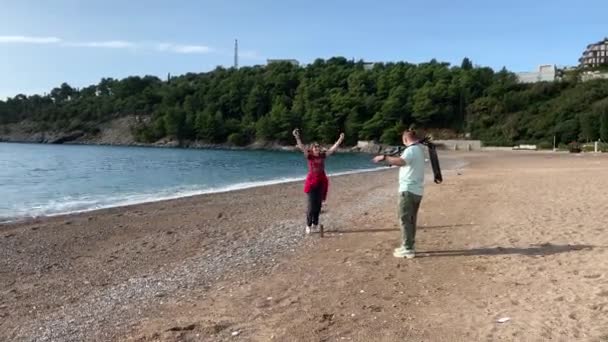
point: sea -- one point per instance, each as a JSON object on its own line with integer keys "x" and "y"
{"x": 44, "y": 180}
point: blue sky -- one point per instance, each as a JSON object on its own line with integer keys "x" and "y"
{"x": 44, "y": 43}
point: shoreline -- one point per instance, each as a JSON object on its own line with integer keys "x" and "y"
{"x": 450, "y": 162}
{"x": 181, "y": 195}
{"x": 194, "y": 194}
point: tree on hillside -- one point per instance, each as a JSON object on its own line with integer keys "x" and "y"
{"x": 175, "y": 123}
{"x": 210, "y": 126}
{"x": 601, "y": 111}
{"x": 466, "y": 64}
{"x": 590, "y": 130}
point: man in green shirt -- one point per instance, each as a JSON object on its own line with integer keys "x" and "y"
{"x": 411, "y": 189}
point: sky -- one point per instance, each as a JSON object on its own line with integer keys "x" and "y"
{"x": 45, "y": 43}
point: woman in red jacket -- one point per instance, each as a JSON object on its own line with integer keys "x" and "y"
{"x": 316, "y": 184}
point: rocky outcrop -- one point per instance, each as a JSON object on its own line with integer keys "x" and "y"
{"x": 66, "y": 138}
{"x": 115, "y": 132}
{"x": 372, "y": 147}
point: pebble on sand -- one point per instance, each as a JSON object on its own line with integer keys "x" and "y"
{"x": 503, "y": 320}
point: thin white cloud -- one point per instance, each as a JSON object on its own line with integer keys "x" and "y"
{"x": 111, "y": 44}
{"x": 124, "y": 44}
{"x": 192, "y": 49}
{"x": 28, "y": 40}
{"x": 163, "y": 47}
{"x": 177, "y": 48}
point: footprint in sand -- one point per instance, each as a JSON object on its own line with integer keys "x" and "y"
{"x": 593, "y": 276}
{"x": 599, "y": 307}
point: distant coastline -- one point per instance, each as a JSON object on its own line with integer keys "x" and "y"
{"x": 118, "y": 132}
{"x": 258, "y": 146}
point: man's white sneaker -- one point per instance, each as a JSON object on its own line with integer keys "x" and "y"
{"x": 307, "y": 230}
{"x": 405, "y": 253}
{"x": 399, "y": 250}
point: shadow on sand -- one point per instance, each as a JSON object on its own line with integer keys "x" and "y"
{"x": 533, "y": 250}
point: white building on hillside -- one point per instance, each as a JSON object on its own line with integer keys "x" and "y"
{"x": 595, "y": 55}
{"x": 368, "y": 66}
{"x": 545, "y": 73}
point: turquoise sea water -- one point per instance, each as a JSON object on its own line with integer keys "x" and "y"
{"x": 40, "y": 180}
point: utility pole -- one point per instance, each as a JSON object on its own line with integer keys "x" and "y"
{"x": 236, "y": 54}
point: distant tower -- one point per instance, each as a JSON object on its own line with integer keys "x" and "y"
{"x": 236, "y": 54}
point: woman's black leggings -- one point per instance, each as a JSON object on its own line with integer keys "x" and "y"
{"x": 315, "y": 199}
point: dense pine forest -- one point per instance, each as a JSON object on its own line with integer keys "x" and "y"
{"x": 264, "y": 103}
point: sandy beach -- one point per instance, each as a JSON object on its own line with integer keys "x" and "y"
{"x": 511, "y": 248}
